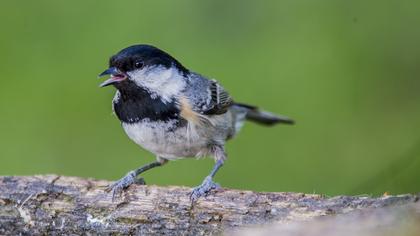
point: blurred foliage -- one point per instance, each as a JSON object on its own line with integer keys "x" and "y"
{"x": 347, "y": 71}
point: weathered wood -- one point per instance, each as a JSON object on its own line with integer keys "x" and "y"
{"x": 33, "y": 205}
{"x": 387, "y": 221}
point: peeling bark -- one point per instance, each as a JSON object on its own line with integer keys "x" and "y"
{"x": 33, "y": 205}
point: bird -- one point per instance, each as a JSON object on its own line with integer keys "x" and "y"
{"x": 174, "y": 113}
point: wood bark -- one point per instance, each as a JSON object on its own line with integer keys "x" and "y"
{"x": 56, "y": 205}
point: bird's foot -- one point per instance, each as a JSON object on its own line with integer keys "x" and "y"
{"x": 117, "y": 187}
{"x": 203, "y": 189}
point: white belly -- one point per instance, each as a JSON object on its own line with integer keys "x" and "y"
{"x": 166, "y": 140}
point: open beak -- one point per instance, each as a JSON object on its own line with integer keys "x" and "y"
{"x": 116, "y": 76}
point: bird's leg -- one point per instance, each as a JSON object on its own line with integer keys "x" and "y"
{"x": 131, "y": 178}
{"x": 208, "y": 183}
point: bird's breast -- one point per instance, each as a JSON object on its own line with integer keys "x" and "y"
{"x": 169, "y": 139}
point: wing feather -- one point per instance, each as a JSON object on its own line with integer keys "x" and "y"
{"x": 220, "y": 100}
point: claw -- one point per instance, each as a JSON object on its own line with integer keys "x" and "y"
{"x": 203, "y": 189}
{"x": 117, "y": 187}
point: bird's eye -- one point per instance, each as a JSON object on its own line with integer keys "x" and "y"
{"x": 138, "y": 64}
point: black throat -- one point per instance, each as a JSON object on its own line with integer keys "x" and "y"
{"x": 135, "y": 104}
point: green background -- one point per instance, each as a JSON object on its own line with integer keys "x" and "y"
{"x": 346, "y": 71}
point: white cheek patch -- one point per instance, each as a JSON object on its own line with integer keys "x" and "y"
{"x": 159, "y": 81}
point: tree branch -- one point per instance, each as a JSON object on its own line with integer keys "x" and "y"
{"x": 70, "y": 205}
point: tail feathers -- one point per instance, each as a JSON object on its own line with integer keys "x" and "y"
{"x": 267, "y": 118}
{"x": 264, "y": 117}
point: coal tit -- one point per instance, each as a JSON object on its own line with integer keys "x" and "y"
{"x": 173, "y": 112}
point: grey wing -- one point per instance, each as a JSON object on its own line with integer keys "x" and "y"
{"x": 207, "y": 97}
{"x": 219, "y": 101}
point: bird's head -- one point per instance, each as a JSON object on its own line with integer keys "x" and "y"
{"x": 144, "y": 66}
